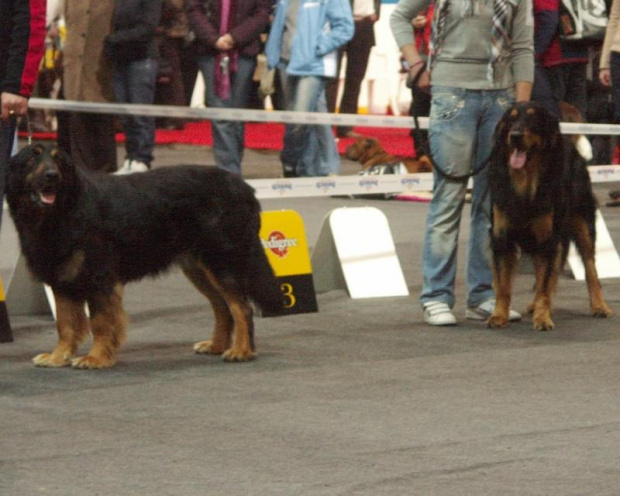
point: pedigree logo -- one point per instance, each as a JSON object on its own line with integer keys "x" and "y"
{"x": 279, "y": 244}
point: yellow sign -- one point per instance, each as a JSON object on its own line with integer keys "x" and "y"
{"x": 283, "y": 237}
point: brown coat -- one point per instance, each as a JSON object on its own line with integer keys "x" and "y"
{"x": 87, "y": 73}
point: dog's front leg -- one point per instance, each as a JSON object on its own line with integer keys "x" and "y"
{"x": 72, "y": 326}
{"x": 108, "y": 322}
{"x": 547, "y": 269}
{"x": 504, "y": 267}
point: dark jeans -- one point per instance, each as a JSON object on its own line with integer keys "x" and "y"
{"x": 615, "y": 84}
{"x": 7, "y": 133}
{"x": 134, "y": 82}
{"x": 358, "y": 52}
{"x": 561, "y": 83}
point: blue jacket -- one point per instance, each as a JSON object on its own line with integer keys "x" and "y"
{"x": 323, "y": 26}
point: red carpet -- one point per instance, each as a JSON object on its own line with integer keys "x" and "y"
{"x": 268, "y": 137}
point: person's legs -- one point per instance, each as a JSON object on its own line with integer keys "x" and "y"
{"x": 358, "y": 53}
{"x": 7, "y": 135}
{"x": 479, "y": 278}
{"x": 140, "y": 129}
{"x": 302, "y": 94}
{"x": 228, "y": 136}
{"x": 452, "y": 134}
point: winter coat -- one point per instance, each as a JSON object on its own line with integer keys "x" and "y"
{"x": 323, "y": 26}
{"x": 87, "y": 73}
{"x": 249, "y": 19}
{"x": 22, "y": 35}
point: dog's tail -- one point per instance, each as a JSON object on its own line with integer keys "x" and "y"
{"x": 264, "y": 288}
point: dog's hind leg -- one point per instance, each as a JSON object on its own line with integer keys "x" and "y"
{"x": 240, "y": 311}
{"x": 72, "y": 326}
{"x": 585, "y": 246}
{"x": 222, "y": 332}
{"x": 108, "y": 322}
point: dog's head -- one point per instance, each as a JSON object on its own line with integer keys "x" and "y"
{"x": 525, "y": 130}
{"x": 363, "y": 147}
{"x": 37, "y": 177}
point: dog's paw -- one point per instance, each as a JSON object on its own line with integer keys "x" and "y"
{"x": 208, "y": 348}
{"x": 601, "y": 310}
{"x": 543, "y": 323}
{"x": 497, "y": 322}
{"x": 238, "y": 355}
{"x": 51, "y": 360}
{"x": 90, "y": 362}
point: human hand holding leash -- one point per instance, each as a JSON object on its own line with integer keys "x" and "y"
{"x": 13, "y": 105}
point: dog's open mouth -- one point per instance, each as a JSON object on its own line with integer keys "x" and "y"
{"x": 517, "y": 158}
{"x": 47, "y": 197}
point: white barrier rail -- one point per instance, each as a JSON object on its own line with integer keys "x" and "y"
{"x": 318, "y": 186}
{"x": 284, "y": 117}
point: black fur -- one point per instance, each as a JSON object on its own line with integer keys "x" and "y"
{"x": 539, "y": 208}
{"x": 124, "y": 228}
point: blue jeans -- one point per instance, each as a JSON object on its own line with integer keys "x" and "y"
{"x": 309, "y": 150}
{"x": 228, "y": 136}
{"x": 461, "y": 127}
{"x": 134, "y": 82}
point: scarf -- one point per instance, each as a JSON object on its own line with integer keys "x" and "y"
{"x": 225, "y": 62}
{"x": 499, "y": 33}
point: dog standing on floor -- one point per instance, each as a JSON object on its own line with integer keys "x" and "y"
{"x": 541, "y": 199}
{"x": 87, "y": 235}
{"x": 369, "y": 152}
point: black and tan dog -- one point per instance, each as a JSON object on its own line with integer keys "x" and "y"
{"x": 541, "y": 200}
{"x": 87, "y": 235}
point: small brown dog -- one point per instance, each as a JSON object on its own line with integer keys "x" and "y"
{"x": 368, "y": 152}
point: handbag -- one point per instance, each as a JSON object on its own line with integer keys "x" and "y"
{"x": 583, "y": 20}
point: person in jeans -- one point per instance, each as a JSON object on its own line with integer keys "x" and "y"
{"x": 303, "y": 45}
{"x": 228, "y": 41}
{"x": 132, "y": 49}
{"x": 481, "y": 60}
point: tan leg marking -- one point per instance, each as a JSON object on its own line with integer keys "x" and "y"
{"x": 242, "y": 313}
{"x": 108, "y": 323}
{"x": 546, "y": 282}
{"x": 586, "y": 249}
{"x": 72, "y": 327}
{"x": 221, "y": 337}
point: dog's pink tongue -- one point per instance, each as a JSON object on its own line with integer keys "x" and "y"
{"x": 517, "y": 159}
{"x": 48, "y": 198}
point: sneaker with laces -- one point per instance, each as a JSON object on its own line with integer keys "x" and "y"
{"x": 131, "y": 167}
{"x": 485, "y": 310}
{"x": 438, "y": 313}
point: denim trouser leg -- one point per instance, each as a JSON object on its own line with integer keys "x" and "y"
{"x": 310, "y": 149}
{"x": 461, "y": 128}
{"x": 134, "y": 82}
{"x": 228, "y": 136}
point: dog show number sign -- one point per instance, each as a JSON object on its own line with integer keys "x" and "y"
{"x": 283, "y": 237}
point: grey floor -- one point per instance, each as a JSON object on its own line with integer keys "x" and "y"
{"x": 359, "y": 398}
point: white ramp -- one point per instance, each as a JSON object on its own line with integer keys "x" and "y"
{"x": 355, "y": 251}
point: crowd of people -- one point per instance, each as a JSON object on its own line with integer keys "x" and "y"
{"x": 467, "y": 63}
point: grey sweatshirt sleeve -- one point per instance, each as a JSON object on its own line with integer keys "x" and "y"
{"x": 400, "y": 20}
{"x": 522, "y": 42}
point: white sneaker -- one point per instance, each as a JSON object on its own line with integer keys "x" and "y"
{"x": 485, "y": 310}
{"x": 438, "y": 313}
{"x": 131, "y": 167}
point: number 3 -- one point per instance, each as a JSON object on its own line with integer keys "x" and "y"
{"x": 287, "y": 289}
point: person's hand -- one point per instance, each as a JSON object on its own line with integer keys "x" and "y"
{"x": 604, "y": 76}
{"x": 225, "y": 43}
{"x": 418, "y": 22}
{"x": 13, "y": 106}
